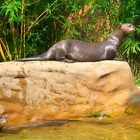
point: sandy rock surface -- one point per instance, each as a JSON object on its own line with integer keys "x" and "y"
{"x": 32, "y": 91}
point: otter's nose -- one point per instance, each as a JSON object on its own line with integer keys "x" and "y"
{"x": 132, "y": 27}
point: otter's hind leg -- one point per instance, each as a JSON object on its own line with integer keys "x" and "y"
{"x": 68, "y": 60}
{"x": 60, "y": 55}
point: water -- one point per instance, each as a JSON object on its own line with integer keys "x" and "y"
{"x": 78, "y": 131}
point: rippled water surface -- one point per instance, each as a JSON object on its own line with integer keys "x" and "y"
{"x": 77, "y": 131}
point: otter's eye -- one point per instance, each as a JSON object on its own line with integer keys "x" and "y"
{"x": 129, "y": 25}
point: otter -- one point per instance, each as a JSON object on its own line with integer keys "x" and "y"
{"x": 71, "y": 50}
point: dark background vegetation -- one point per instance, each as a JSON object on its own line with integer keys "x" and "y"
{"x": 30, "y": 27}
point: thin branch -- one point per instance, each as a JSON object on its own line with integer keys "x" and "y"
{"x": 33, "y": 23}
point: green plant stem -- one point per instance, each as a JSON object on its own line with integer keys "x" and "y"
{"x": 23, "y": 30}
{"x": 37, "y": 19}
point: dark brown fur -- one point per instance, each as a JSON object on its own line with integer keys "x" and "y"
{"x": 76, "y": 50}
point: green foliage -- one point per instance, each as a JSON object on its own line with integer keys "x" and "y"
{"x": 76, "y": 26}
{"x": 30, "y": 27}
{"x": 130, "y": 49}
{"x": 10, "y": 9}
{"x": 137, "y": 81}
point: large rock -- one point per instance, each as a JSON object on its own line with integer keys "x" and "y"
{"x": 32, "y": 91}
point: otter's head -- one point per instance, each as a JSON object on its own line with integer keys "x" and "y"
{"x": 127, "y": 28}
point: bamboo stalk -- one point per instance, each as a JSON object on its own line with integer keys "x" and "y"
{"x": 24, "y": 38}
{"x": 8, "y": 51}
{"x": 21, "y": 35}
{"x": 14, "y": 40}
{"x": 2, "y": 53}
{"x": 23, "y": 41}
{"x": 6, "y": 48}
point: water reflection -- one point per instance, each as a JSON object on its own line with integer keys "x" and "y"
{"x": 78, "y": 131}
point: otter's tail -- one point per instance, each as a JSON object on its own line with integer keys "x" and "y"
{"x": 49, "y": 55}
{"x": 32, "y": 59}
